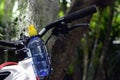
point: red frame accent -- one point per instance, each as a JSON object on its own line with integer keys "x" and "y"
{"x": 37, "y": 78}
{"x": 7, "y": 64}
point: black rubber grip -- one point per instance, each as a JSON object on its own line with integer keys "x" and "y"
{"x": 80, "y": 14}
{"x": 73, "y": 16}
{"x": 6, "y": 43}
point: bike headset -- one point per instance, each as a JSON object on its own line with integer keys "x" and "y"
{"x": 59, "y": 26}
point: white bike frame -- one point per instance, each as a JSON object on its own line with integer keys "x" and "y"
{"x": 22, "y": 71}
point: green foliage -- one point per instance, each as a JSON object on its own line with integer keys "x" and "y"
{"x": 1, "y": 8}
{"x": 65, "y": 4}
{"x": 1, "y": 17}
{"x": 61, "y": 14}
{"x": 70, "y": 69}
{"x": 7, "y": 29}
{"x": 99, "y": 26}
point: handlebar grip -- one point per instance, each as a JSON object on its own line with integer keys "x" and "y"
{"x": 74, "y": 16}
{"x": 69, "y": 18}
{"x": 80, "y": 14}
{"x": 6, "y": 43}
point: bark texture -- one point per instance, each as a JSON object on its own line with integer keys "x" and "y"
{"x": 65, "y": 47}
{"x": 37, "y": 12}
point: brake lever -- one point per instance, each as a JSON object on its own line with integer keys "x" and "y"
{"x": 63, "y": 28}
{"x": 78, "y": 25}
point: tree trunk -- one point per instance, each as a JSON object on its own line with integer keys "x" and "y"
{"x": 102, "y": 66}
{"x": 65, "y": 48}
{"x": 36, "y": 12}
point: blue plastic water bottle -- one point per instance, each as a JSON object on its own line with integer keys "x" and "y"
{"x": 41, "y": 60}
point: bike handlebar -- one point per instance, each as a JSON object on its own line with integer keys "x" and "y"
{"x": 66, "y": 19}
{"x": 7, "y": 43}
{"x": 80, "y": 14}
{"x": 18, "y": 44}
{"x": 69, "y": 18}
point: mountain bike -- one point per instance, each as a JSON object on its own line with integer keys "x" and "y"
{"x": 34, "y": 62}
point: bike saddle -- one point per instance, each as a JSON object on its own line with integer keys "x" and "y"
{"x": 3, "y": 75}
